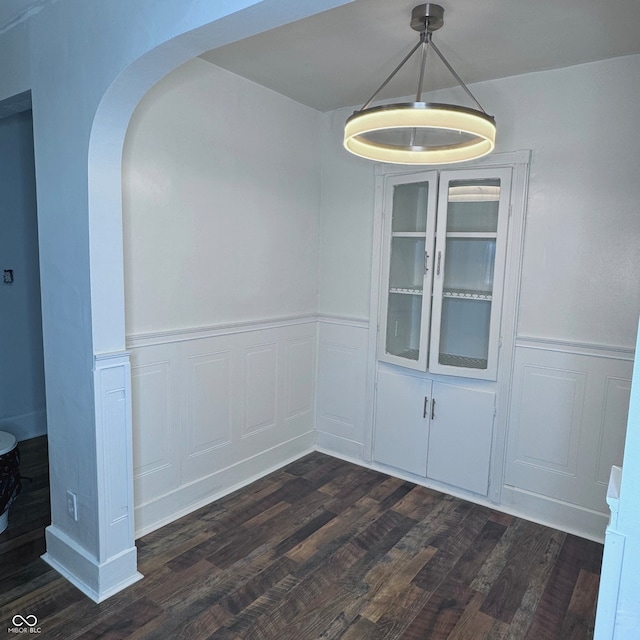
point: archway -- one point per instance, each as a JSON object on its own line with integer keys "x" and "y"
{"x": 99, "y": 556}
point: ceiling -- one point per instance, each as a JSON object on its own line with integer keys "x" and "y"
{"x": 339, "y": 58}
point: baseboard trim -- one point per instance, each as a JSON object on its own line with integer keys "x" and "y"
{"x": 551, "y": 512}
{"x": 97, "y": 580}
{"x": 336, "y": 446}
{"x": 562, "y": 516}
{"x": 26, "y": 426}
{"x": 170, "y": 507}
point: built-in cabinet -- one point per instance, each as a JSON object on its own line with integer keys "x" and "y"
{"x": 443, "y": 253}
{"x": 443, "y": 269}
{"x": 435, "y": 429}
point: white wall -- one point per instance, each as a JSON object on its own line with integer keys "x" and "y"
{"x": 221, "y": 185}
{"x": 22, "y": 398}
{"x": 579, "y": 291}
{"x": 87, "y": 66}
{"x": 581, "y": 269}
{"x": 221, "y": 196}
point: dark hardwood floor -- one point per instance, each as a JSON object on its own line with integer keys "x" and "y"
{"x": 321, "y": 549}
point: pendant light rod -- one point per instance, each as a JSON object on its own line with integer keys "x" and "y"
{"x": 426, "y": 28}
{"x": 425, "y": 40}
{"x": 456, "y": 76}
{"x": 393, "y": 73}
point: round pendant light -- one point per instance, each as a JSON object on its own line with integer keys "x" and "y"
{"x": 421, "y": 132}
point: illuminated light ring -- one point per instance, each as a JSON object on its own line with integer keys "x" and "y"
{"x": 420, "y": 115}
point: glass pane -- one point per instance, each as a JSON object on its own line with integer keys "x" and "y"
{"x": 403, "y": 325}
{"x": 469, "y": 265}
{"x": 464, "y": 333}
{"x": 410, "y": 207}
{"x": 473, "y": 205}
{"x": 406, "y": 270}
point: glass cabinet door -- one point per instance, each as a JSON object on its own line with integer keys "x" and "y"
{"x": 473, "y": 213}
{"x": 409, "y": 218}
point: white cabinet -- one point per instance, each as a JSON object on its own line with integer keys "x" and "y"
{"x": 460, "y": 434}
{"x": 410, "y": 222}
{"x": 442, "y": 275}
{"x": 402, "y": 423}
{"x": 435, "y": 429}
{"x": 444, "y": 251}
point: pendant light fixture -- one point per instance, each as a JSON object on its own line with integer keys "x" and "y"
{"x": 421, "y": 132}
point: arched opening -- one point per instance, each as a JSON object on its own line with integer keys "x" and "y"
{"x": 112, "y": 389}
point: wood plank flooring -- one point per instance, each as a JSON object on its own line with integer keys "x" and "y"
{"x": 320, "y": 549}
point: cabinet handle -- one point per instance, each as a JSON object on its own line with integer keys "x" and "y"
{"x": 433, "y": 408}
{"x": 426, "y": 262}
{"x": 426, "y": 405}
{"x": 439, "y": 258}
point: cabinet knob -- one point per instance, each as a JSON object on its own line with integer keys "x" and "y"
{"x": 424, "y": 408}
{"x": 426, "y": 262}
{"x": 433, "y": 408}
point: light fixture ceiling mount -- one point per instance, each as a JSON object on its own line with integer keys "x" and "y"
{"x": 421, "y": 132}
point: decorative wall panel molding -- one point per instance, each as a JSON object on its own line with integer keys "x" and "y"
{"x": 342, "y": 376}
{"x": 260, "y": 378}
{"x": 300, "y": 376}
{"x": 208, "y": 423}
{"x": 549, "y": 404}
{"x": 567, "y": 426}
{"x": 213, "y": 408}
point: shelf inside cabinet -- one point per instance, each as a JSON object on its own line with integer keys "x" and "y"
{"x": 452, "y": 360}
{"x": 481, "y": 235}
{"x": 408, "y": 234}
{"x": 408, "y": 354}
{"x": 411, "y": 291}
{"x": 467, "y": 294}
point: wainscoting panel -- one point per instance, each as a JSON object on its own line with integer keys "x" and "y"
{"x": 207, "y": 409}
{"x": 216, "y": 408}
{"x": 342, "y": 376}
{"x": 155, "y": 454}
{"x": 567, "y": 425}
{"x": 612, "y": 427}
{"x": 209, "y": 402}
{"x": 548, "y": 403}
{"x": 300, "y": 377}
{"x": 260, "y": 385}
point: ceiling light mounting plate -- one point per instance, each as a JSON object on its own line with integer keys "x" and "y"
{"x": 427, "y": 17}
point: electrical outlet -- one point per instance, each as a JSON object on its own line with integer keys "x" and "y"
{"x": 72, "y": 505}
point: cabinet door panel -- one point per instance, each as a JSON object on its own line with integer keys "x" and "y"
{"x": 401, "y": 427}
{"x": 460, "y": 436}
{"x": 473, "y": 215}
{"x": 405, "y": 303}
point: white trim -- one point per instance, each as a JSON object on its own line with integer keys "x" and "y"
{"x": 347, "y": 321}
{"x": 96, "y": 580}
{"x": 509, "y": 320}
{"x": 609, "y": 592}
{"x": 197, "y": 333}
{"x": 579, "y": 348}
{"x": 565, "y": 516}
{"x": 329, "y": 443}
{"x": 110, "y": 358}
{"x": 233, "y": 477}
